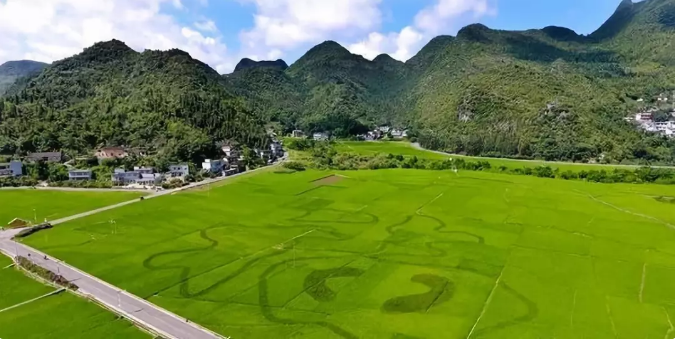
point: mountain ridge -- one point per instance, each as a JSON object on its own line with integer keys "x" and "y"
{"x": 542, "y": 93}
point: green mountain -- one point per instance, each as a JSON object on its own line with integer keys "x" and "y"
{"x": 543, "y": 93}
{"x": 111, "y": 95}
{"x": 11, "y": 71}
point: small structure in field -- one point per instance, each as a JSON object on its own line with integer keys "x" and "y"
{"x": 17, "y": 223}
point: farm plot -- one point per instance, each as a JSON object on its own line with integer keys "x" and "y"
{"x": 392, "y": 254}
{"x": 61, "y": 315}
{"x": 406, "y": 149}
{"x": 52, "y": 204}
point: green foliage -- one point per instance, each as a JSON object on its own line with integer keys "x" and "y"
{"x": 164, "y": 102}
{"x": 294, "y": 165}
{"x": 46, "y": 274}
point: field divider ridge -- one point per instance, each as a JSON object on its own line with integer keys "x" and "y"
{"x": 120, "y": 291}
{"x": 33, "y": 299}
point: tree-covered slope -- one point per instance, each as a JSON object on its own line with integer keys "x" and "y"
{"x": 11, "y": 71}
{"x": 112, "y": 95}
{"x": 328, "y": 88}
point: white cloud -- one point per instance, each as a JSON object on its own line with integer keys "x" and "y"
{"x": 206, "y": 26}
{"x": 443, "y": 16}
{"x": 287, "y": 24}
{"x": 48, "y": 30}
{"x": 401, "y": 45}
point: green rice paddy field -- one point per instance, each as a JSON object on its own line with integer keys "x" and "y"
{"x": 394, "y": 253}
{"x": 53, "y": 204}
{"x": 404, "y": 148}
{"x": 57, "y": 316}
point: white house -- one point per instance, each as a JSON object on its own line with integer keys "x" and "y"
{"x": 150, "y": 179}
{"x": 213, "y": 165}
{"x": 144, "y": 170}
{"x": 79, "y": 175}
{"x": 13, "y": 168}
{"x": 320, "y": 136}
{"x": 297, "y": 133}
{"x": 179, "y": 170}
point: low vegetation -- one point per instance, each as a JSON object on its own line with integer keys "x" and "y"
{"x": 57, "y": 316}
{"x": 392, "y": 253}
{"x": 325, "y": 155}
{"x": 45, "y": 274}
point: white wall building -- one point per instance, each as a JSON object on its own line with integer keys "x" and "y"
{"x": 179, "y": 170}
{"x": 79, "y": 175}
{"x": 213, "y": 165}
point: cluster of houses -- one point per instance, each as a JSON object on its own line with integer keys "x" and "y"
{"x": 230, "y": 164}
{"x": 14, "y": 168}
{"x": 377, "y": 133}
{"x": 382, "y": 131}
{"x": 645, "y": 118}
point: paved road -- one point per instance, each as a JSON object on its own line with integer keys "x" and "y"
{"x": 141, "y": 311}
{"x": 134, "y": 308}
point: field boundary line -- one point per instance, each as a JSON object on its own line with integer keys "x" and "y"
{"x": 487, "y": 302}
{"x": 670, "y": 323}
{"x": 132, "y": 296}
{"x": 609, "y": 314}
{"x": 627, "y": 211}
{"x": 642, "y": 282}
{"x": 32, "y": 300}
{"x": 574, "y": 306}
{"x": 428, "y": 203}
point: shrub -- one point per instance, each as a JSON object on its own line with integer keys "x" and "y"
{"x": 45, "y": 273}
{"x": 294, "y": 165}
{"x": 32, "y": 230}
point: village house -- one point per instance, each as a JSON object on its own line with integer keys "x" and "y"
{"x": 13, "y": 168}
{"x": 179, "y": 170}
{"x": 111, "y": 152}
{"x": 79, "y": 175}
{"x": 320, "y": 136}
{"x": 140, "y": 176}
{"x": 45, "y": 157}
{"x": 144, "y": 170}
{"x": 277, "y": 150}
{"x": 297, "y": 134}
{"x": 214, "y": 165}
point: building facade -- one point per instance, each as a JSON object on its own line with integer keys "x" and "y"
{"x": 79, "y": 175}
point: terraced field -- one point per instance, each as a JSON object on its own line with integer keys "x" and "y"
{"x": 393, "y": 253}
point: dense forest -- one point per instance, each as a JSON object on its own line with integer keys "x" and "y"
{"x": 165, "y": 103}
{"x": 543, "y": 93}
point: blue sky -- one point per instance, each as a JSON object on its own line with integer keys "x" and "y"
{"x": 221, "y": 32}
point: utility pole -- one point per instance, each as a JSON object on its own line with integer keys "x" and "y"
{"x": 35, "y": 216}
{"x": 119, "y": 299}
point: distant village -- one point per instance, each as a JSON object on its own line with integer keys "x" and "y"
{"x": 658, "y": 117}
{"x": 379, "y": 132}
{"x": 146, "y": 177}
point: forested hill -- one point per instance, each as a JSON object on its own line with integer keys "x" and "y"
{"x": 11, "y": 71}
{"x": 111, "y": 95}
{"x": 543, "y": 93}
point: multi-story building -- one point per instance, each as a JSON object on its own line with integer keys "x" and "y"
{"x": 79, "y": 175}
{"x": 214, "y": 165}
{"x": 179, "y": 170}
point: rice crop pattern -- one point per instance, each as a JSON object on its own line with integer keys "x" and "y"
{"x": 393, "y": 254}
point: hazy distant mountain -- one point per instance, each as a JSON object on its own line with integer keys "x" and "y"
{"x": 13, "y": 70}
